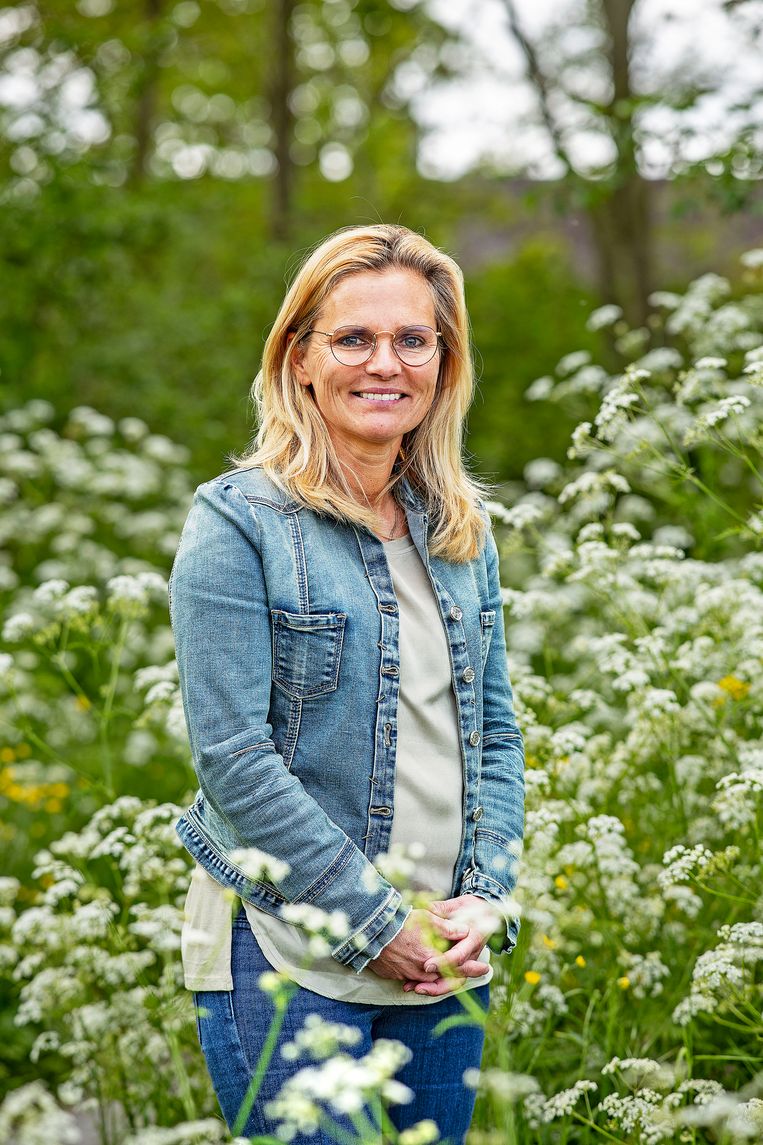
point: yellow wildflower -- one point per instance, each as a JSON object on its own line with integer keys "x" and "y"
{"x": 561, "y": 883}
{"x": 623, "y": 982}
{"x": 734, "y": 687}
{"x": 580, "y": 960}
{"x": 549, "y": 942}
{"x": 532, "y": 976}
{"x": 7, "y": 755}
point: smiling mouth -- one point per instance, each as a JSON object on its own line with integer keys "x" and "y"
{"x": 371, "y": 396}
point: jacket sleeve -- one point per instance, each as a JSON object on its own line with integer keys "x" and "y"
{"x": 500, "y": 832}
{"x": 221, "y": 624}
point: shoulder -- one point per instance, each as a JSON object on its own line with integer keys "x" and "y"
{"x": 252, "y": 484}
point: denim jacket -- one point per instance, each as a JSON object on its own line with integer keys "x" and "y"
{"x": 286, "y": 630}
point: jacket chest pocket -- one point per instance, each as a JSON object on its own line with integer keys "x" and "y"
{"x": 307, "y": 649}
{"x": 487, "y": 624}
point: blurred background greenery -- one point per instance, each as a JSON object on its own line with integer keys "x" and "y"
{"x": 164, "y": 166}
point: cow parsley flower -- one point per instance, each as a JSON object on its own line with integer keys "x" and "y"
{"x": 562, "y": 1104}
{"x": 319, "y": 1039}
{"x": 256, "y": 864}
{"x": 604, "y": 316}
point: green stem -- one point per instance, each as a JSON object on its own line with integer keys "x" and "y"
{"x": 689, "y": 474}
{"x": 30, "y": 734}
{"x": 598, "y": 1129}
{"x": 723, "y": 895}
{"x": 336, "y": 1131}
{"x": 105, "y": 716}
{"x": 723, "y": 440}
{"x": 184, "y": 1081}
{"x": 368, "y": 1132}
{"x": 281, "y": 1005}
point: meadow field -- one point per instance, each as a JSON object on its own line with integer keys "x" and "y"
{"x": 630, "y": 1010}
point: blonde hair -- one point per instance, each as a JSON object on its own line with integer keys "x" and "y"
{"x": 292, "y": 444}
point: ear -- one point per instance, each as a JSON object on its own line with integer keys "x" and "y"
{"x": 298, "y": 360}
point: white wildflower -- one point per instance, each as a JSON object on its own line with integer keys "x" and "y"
{"x": 539, "y": 390}
{"x": 502, "y": 1083}
{"x": 710, "y": 363}
{"x": 646, "y": 973}
{"x": 752, "y": 259}
{"x": 541, "y": 472}
{"x": 613, "y": 413}
{"x": 422, "y": 1133}
{"x": 605, "y": 316}
{"x": 256, "y": 864}
{"x": 18, "y": 626}
{"x": 316, "y": 921}
{"x": 30, "y": 1115}
{"x": 665, "y": 299}
{"x": 571, "y": 362}
{"x": 319, "y": 1039}
{"x": 561, "y": 1104}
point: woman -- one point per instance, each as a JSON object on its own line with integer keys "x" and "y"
{"x": 336, "y": 607}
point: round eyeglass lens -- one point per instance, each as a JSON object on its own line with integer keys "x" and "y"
{"x": 413, "y": 345}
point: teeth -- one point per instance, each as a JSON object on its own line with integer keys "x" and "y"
{"x": 380, "y": 397}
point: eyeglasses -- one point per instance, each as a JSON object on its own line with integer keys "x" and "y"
{"x": 354, "y": 345}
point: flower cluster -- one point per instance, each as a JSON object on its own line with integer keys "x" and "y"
{"x": 635, "y": 637}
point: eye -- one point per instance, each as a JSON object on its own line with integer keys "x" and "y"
{"x": 352, "y": 339}
{"x": 410, "y": 341}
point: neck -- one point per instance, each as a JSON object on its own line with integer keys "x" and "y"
{"x": 368, "y": 470}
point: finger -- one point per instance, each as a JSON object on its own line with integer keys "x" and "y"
{"x": 447, "y": 907}
{"x": 440, "y": 906}
{"x": 462, "y": 952}
{"x": 436, "y": 940}
{"x": 446, "y": 929}
{"x": 440, "y": 987}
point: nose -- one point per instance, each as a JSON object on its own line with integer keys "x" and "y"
{"x": 384, "y": 360}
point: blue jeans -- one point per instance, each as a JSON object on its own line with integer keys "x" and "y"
{"x": 233, "y": 1025}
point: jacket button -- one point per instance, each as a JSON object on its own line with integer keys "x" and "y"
{"x": 467, "y": 675}
{"x": 455, "y": 613}
{"x": 477, "y": 814}
{"x": 474, "y": 738}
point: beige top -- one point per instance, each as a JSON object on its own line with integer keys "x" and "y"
{"x": 428, "y": 809}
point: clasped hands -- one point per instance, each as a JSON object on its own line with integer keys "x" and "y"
{"x": 436, "y": 950}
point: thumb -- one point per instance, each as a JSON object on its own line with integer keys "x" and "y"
{"x": 443, "y": 907}
{"x": 448, "y": 928}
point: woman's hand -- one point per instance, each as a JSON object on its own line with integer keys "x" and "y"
{"x": 451, "y": 969}
{"x": 466, "y": 921}
{"x": 425, "y": 935}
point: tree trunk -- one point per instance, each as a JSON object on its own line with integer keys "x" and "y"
{"x": 144, "y": 112}
{"x": 621, "y": 214}
{"x": 281, "y": 117}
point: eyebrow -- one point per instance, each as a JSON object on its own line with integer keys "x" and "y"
{"x": 399, "y": 326}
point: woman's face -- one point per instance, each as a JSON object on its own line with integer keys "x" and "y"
{"x": 349, "y": 396}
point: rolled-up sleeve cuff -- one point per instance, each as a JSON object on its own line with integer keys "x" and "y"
{"x": 485, "y": 887}
{"x": 369, "y": 940}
